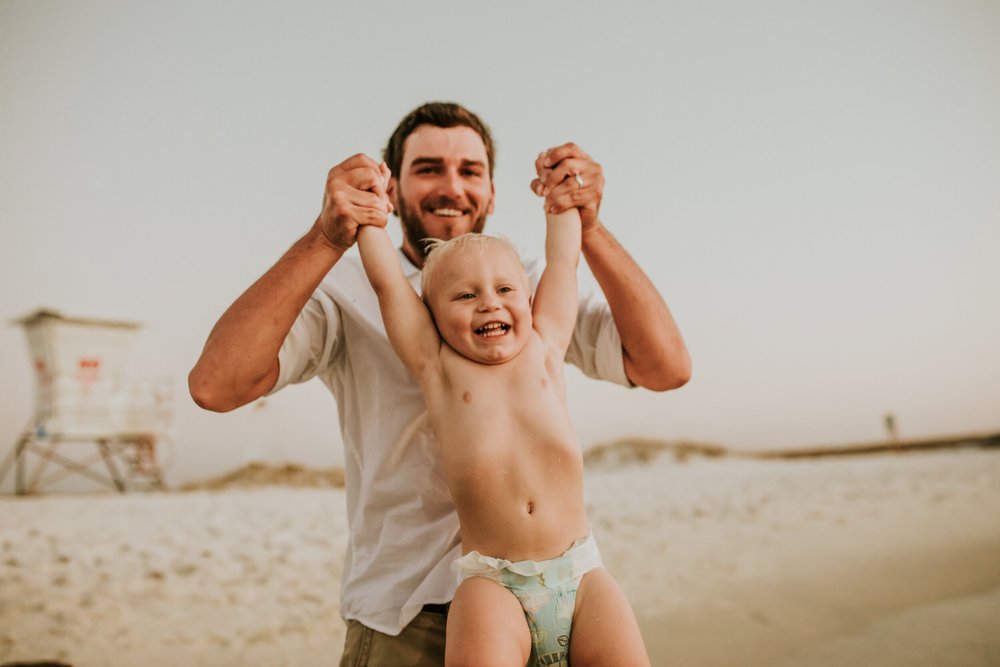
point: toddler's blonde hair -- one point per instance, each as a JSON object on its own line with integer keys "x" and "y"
{"x": 438, "y": 250}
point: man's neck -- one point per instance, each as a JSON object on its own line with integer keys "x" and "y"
{"x": 411, "y": 254}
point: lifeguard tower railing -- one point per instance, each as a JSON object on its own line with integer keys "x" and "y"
{"x": 88, "y": 420}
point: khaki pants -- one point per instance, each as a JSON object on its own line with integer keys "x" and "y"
{"x": 420, "y": 644}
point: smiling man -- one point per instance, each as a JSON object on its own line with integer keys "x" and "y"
{"x": 449, "y": 184}
{"x": 314, "y": 314}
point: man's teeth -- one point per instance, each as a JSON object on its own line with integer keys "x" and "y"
{"x": 493, "y": 329}
{"x": 447, "y": 212}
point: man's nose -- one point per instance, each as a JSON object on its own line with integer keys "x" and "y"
{"x": 451, "y": 184}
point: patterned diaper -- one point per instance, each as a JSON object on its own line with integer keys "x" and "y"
{"x": 546, "y": 591}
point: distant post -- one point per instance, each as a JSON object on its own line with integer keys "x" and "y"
{"x": 890, "y": 428}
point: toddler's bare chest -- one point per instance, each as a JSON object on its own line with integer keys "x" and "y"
{"x": 530, "y": 375}
{"x": 480, "y": 401}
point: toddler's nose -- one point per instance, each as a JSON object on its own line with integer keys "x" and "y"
{"x": 489, "y": 302}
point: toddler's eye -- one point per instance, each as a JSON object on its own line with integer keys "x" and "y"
{"x": 467, "y": 296}
{"x": 504, "y": 290}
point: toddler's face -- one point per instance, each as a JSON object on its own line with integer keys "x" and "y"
{"x": 481, "y": 301}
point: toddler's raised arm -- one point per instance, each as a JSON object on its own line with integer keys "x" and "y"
{"x": 407, "y": 320}
{"x": 555, "y": 306}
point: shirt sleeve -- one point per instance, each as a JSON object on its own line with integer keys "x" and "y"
{"x": 311, "y": 343}
{"x": 596, "y": 347}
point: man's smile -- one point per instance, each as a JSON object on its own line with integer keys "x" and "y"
{"x": 448, "y": 212}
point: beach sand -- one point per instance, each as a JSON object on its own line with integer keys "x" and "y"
{"x": 862, "y": 560}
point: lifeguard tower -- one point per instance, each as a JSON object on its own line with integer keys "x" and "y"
{"x": 82, "y": 402}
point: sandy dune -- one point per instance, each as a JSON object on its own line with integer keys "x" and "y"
{"x": 874, "y": 560}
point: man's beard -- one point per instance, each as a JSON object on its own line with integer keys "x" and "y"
{"x": 415, "y": 232}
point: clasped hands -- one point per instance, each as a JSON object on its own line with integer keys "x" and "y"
{"x": 356, "y": 192}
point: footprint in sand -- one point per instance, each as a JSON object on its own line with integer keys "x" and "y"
{"x": 185, "y": 569}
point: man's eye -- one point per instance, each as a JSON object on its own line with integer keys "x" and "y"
{"x": 473, "y": 173}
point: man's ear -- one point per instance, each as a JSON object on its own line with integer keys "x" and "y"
{"x": 493, "y": 196}
{"x": 391, "y": 190}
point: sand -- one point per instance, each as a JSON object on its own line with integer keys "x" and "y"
{"x": 866, "y": 560}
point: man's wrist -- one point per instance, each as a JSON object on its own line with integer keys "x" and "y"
{"x": 595, "y": 232}
{"x": 317, "y": 240}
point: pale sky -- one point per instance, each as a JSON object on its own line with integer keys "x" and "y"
{"x": 814, "y": 187}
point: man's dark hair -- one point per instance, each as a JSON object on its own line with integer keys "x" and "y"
{"x": 438, "y": 114}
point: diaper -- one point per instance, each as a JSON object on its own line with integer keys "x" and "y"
{"x": 546, "y": 590}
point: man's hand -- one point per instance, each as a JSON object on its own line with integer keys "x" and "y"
{"x": 653, "y": 351}
{"x": 558, "y": 170}
{"x": 355, "y": 195}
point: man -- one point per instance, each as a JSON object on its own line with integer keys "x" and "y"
{"x": 314, "y": 314}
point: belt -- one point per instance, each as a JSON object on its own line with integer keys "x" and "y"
{"x": 437, "y": 608}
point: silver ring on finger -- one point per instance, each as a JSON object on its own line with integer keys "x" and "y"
{"x": 579, "y": 181}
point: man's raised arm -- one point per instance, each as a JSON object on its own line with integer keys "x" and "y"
{"x": 239, "y": 362}
{"x": 653, "y": 350}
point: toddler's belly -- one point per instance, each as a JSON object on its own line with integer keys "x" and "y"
{"x": 520, "y": 503}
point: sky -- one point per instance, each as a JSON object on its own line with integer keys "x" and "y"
{"x": 813, "y": 187}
